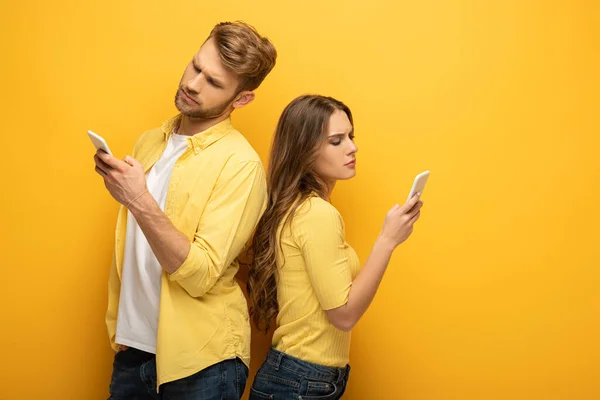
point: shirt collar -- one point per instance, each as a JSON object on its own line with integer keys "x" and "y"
{"x": 200, "y": 140}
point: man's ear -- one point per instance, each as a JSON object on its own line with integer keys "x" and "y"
{"x": 243, "y": 99}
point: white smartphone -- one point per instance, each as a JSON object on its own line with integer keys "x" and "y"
{"x": 419, "y": 184}
{"x": 99, "y": 142}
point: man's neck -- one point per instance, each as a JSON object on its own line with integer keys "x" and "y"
{"x": 189, "y": 126}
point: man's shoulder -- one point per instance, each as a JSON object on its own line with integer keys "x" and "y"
{"x": 152, "y": 135}
{"x": 238, "y": 148}
{"x": 148, "y": 140}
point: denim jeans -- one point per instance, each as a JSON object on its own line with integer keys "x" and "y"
{"x": 283, "y": 377}
{"x": 134, "y": 378}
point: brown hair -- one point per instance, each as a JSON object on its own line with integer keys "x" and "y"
{"x": 244, "y": 52}
{"x": 291, "y": 179}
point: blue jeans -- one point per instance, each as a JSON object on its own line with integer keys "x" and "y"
{"x": 283, "y": 377}
{"x": 134, "y": 378}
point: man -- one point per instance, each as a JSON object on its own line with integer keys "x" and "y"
{"x": 191, "y": 194}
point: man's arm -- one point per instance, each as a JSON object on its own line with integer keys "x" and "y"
{"x": 126, "y": 182}
{"x": 168, "y": 244}
{"x": 231, "y": 215}
{"x": 233, "y": 210}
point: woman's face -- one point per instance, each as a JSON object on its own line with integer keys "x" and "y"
{"x": 337, "y": 157}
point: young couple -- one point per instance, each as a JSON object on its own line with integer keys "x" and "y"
{"x": 193, "y": 193}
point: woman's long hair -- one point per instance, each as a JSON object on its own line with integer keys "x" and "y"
{"x": 300, "y": 133}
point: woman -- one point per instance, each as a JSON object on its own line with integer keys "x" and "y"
{"x": 304, "y": 274}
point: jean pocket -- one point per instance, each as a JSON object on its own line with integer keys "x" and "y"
{"x": 255, "y": 395}
{"x": 319, "y": 390}
{"x": 271, "y": 386}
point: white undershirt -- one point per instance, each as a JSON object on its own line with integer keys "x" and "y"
{"x": 139, "y": 303}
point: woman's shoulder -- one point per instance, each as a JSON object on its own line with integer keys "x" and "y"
{"x": 316, "y": 210}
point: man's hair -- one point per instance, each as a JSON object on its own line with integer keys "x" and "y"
{"x": 244, "y": 52}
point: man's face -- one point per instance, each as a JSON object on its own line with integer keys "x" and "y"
{"x": 207, "y": 89}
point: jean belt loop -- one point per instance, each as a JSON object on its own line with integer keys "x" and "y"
{"x": 279, "y": 357}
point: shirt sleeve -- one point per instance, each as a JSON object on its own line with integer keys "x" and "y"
{"x": 320, "y": 235}
{"x": 231, "y": 215}
{"x": 114, "y": 292}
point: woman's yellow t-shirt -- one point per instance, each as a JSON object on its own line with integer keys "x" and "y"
{"x": 316, "y": 270}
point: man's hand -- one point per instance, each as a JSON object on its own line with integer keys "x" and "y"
{"x": 125, "y": 180}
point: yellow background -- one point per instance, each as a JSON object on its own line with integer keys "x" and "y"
{"x": 497, "y": 293}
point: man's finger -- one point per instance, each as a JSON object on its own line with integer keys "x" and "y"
{"x": 113, "y": 162}
{"x": 100, "y": 172}
{"x": 131, "y": 161}
{"x": 102, "y": 165}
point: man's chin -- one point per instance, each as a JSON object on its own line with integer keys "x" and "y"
{"x": 187, "y": 111}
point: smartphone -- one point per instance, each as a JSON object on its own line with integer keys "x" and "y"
{"x": 419, "y": 184}
{"x": 99, "y": 142}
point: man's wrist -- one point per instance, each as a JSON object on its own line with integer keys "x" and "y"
{"x": 141, "y": 203}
